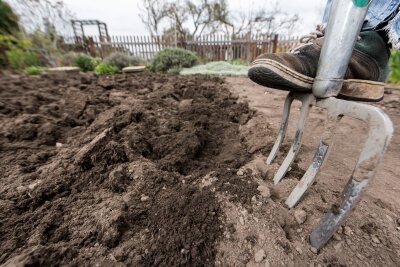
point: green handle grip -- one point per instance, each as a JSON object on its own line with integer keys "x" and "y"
{"x": 361, "y": 3}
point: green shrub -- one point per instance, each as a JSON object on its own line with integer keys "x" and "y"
{"x": 174, "y": 70}
{"x": 20, "y": 59}
{"x": 122, "y": 60}
{"x": 117, "y": 59}
{"x": 68, "y": 59}
{"x": 394, "y": 63}
{"x": 173, "y": 58}
{"x": 34, "y": 70}
{"x": 85, "y": 63}
{"x": 136, "y": 61}
{"x": 104, "y": 68}
{"x": 8, "y": 19}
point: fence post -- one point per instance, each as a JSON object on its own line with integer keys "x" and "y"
{"x": 275, "y": 44}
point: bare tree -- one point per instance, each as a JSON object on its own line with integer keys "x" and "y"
{"x": 153, "y": 12}
{"x": 193, "y": 17}
{"x": 264, "y": 21}
{"x": 197, "y": 16}
{"x": 200, "y": 14}
{"x": 182, "y": 17}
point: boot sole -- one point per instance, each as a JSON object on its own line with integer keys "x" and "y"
{"x": 273, "y": 74}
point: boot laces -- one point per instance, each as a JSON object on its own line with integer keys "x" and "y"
{"x": 309, "y": 39}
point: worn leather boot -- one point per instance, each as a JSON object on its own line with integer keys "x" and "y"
{"x": 295, "y": 71}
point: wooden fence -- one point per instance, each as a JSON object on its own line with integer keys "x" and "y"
{"x": 207, "y": 47}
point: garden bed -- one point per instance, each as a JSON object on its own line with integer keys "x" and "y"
{"x": 147, "y": 169}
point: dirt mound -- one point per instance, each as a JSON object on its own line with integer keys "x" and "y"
{"x": 117, "y": 169}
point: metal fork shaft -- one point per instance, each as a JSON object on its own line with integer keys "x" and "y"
{"x": 345, "y": 21}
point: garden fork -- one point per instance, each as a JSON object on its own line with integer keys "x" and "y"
{"x": 344, "y": 25}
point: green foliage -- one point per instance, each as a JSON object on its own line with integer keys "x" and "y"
{"x": 105, "y": 68}
{"x": 68, "y": 59}
{"x": 122, "y": 60}
{"x": 20, "y": 59}
{"x": 117, "y": 59}
{"x": 8, "y": 19}
{"x": 45, "y": 45}
{"x": 174, "y": 70}
{"x": 136, "y": 61}
{"x": 237, "y": 62}
{"x": 85, "y": 63}
{"x": 34, "y": 70}
{"x": 8, "y": 41}
{"x": 173, "y": 58}
{"x": 394, "y": 63}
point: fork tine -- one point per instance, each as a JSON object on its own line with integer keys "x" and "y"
{"x": 328, "y": 226}
{"x": 379, "y": 135}
{"x": 319, "y": 158}
{"x": 309, "y": 177}
{"x": 282, "y": 129}
{"x": 307, "y": 100}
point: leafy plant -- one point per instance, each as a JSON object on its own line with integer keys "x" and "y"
{"x": 173, "y": 58}
{"x": 68, "y": 59}
{"x": 122, "y": 60}
{"x": 85, "y": 63}
{"x": 46, "y": 46}
{"x": 136, "y": 61}
{"x": 34, "y": 70}
{"x": 8, "y": 19}
{"x": 174, "y": 70}
{"x": 105, "y": 68}
{"x": 20, "y": 59}
{"x": 117, "y": 59}
{"x": 394, "y": 63}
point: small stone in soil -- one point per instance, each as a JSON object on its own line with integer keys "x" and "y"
{"x": 259, "y": 256}
{"x": 375, "y": 239}
{"x": 347, "y": 231}
{"x": 338, "y": 246}
{"x": 340, "y": 230}
{"x": 300, "y": 216}
{"x": 314, "y": 250}
{"x": 241, "y": 220}
{"x": 337, "y": 237}
{"x": 144, "y": 198}
{"x": 264, "y": 191}
{"x": 240, "y": 172}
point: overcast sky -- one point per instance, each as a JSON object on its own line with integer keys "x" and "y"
{"x": 122, "y": 17}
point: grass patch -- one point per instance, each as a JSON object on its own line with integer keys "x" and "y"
{"x": 217, "y": 68}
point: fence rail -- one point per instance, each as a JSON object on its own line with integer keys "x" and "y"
{"x": 207, "y": 47}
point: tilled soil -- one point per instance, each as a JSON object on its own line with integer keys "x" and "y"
{"x": 111, "y": 170}
{"x": 158, "y": 170}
